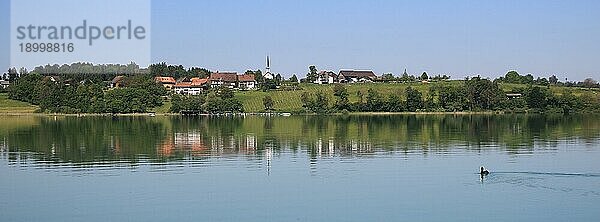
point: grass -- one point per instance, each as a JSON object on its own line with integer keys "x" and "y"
{"x": 289, "y": 101}
{"x": 165, "y": 108}
{"x": 13, "y": 106}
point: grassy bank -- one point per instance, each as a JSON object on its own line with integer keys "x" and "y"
{"x": 289, "y": 101}
{"x": 12, "y": 106}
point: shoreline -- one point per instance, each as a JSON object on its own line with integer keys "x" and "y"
{"x": 282, "y": 114}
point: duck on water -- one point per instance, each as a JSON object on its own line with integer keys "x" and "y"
{"x": 484, "y": 172}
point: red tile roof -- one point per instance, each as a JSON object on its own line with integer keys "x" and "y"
{"x": 194, "y": 82}
{"x": 246, "y": 78}
{"x": 164, "y": 80}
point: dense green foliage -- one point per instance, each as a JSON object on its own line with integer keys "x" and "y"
{"x": 476, "y": 94}
{"x": 83, "y": 88}
{"x": 141, "y": 94}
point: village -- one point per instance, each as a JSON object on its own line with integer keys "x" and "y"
{"x": 246, "y": 81}
{"x": 233, "y": 80}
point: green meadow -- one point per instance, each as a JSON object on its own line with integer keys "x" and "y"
{"x": 13, "y": 106}
{"x": 289, "y": 101}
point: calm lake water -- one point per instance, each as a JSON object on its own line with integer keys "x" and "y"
{"x": 300, "y": 168}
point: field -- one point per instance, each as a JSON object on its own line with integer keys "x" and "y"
{"x": 12, "y": 106}
{"x": 289, "y": 101}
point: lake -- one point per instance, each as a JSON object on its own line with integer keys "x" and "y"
{"x": 300, "y": 168}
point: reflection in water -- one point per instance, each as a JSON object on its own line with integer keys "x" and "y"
{"x": 135, "y": 140}
{"x": 363, "y": 168}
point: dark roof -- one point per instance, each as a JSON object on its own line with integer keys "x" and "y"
{"x": 224, "y": 76}
{"x": 117, "y": 79}
{"x": 51, "y": 78}
{"x": 358, "y": 73}
{"x": 328, "y": 73}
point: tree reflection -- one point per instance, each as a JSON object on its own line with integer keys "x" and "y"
{"x": 163, "y": 139}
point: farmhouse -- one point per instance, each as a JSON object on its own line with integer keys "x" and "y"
{"x": 246, "y": 82}
{"x": 326, "y": 77}
{"x": 193, "y": 86}
{"x": 227, "y": 79}
{"x": 167, "y": 82}
{"x": 117, "y": 81}
{"x": 4, "y": 84}
{"x": 354, "y": 76}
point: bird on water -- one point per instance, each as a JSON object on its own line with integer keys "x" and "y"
{"x": 484, "y": 172}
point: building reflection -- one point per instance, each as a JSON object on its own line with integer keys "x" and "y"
{"x": 101, "y": 139}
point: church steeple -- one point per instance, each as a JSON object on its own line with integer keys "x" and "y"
{"x": 268, "y": 65}
{"x": 267, "y": 74}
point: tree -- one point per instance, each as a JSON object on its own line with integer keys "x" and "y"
{"x": 12, "y": 75}
{"x": 321, "y": 103}
{"x": 278, "y": 79}
{"x": 537, "y": 97}
{"x": 268, "y": 84}
{"x": 589, "y": 83}
{"x": 430, "y": 103}
{"x": 213, "y": 103}
{"x": 26, "y": 88}
{"x": 394, "y": 103}
{"x": 553, "y": 80}
{"x": 374, "y": 101}
{"x": 306, "y": 100}
{"x": 268, "y": 103}
{"x": 258, "y": 77}
{"x": 342, "y": 102}
{"x": 424, "y": 76}
{"x": 414, "y": 99}
{"x": 311, "y": 76}
{"x": 225, "y": 92}
{"x": 318, "y": 104}
{"x": 483, "y": 94}
{"x": 294, "y": 79}
{"x": 452, "y": 98}
{"x": 512, "y": 77}
{"x": 541, "y": 81}
{"x": 388, "y": 76}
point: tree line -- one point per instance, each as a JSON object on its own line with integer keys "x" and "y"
{"x": 139, "y": 94}
{"x": 476, "y": 94}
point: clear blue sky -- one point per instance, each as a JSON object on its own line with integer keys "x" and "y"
{"x": 459, "y": 38}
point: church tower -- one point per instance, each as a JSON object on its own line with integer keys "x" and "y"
{"x": 268, "y": 74}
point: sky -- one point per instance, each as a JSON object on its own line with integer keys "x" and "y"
{"x": 457, "y": 38}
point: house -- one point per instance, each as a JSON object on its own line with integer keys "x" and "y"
{"x": 117, "y": 81}
{"x": 51, "y": 78}
{"x": 193, "y": 86}
{"x": 4, "y": 84}
{"x": 514, "y": 95}
{"x": 246, "y": 82}
{"x": 353, "y": 76}
{"x": 227, "y": 79}
{"x": 167, "y": 82}
{"x": 86, "y": 82}
{"x": 326, "y": 77}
